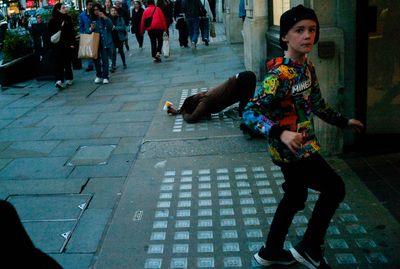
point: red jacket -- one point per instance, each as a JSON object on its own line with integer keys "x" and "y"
{"x": 158, "y": 22}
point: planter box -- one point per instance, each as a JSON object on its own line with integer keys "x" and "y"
{"x": 18, "y": 70}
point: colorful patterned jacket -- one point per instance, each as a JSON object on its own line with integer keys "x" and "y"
{"x": 288, "y": 97}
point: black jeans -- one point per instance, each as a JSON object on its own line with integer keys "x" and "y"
{"x": 139, "y": 38}
{"x": 315, "y": 173}
{"x": 15, "y": 242}
{"x": 156, "y": 40}
{"x": 118, "y": 45}
{"x": 63, "y": 64}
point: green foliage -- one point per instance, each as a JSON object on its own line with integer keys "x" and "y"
{"x": 74, "y": 13}
{"x": 16, "y": 45}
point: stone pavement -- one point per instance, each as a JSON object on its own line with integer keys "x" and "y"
{"x": 102, "y": 178}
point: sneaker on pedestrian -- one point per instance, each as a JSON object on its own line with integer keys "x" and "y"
{"x": 206, "y": 42}
{"x": 97, "y": 80}
{"x": 124, "y": 66}
{"x": 90, "y": 68}
{"x": 193, "y": 46}
{"x": 112, "y": 69}
{"x": 69, "y": 82}
{"x": 59, "y": 85}
{"x": 311, "y": 258}
{"x": 106, "y": 81}
{"x": 268, "y": 258}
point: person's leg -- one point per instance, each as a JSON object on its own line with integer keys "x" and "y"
{"x": 122, "y": 54}
{"x": 190, "y": 26}
{"x": 113, "y": 58}
{"x": 293, "y": 200}
{"x": 196, "y": 22}
{"x": 139, "y": 39}
{"x": 159, "y": 36}
{"x": 98, "y": 63}
{"x": 332, "y": 192}
{"x": 105, "y": 55}
{"x": 69, "y": 76}
{"x": 152, "y": 36}
{"x": 59, "y": 67}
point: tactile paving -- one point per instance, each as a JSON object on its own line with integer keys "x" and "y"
{"x": 218, "y": 218}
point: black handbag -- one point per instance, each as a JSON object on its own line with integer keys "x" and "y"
{"x": 148, "y": 21}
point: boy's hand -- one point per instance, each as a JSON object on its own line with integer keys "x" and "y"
{"x": 356, "y": 125}
{"x": 292, "y": 140}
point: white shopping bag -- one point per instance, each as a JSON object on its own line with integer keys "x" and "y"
{"x": 165, "y": 46}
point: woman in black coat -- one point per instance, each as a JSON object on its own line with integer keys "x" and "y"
{"x": 63, "y": 49}
{"x": 136, "y": 19}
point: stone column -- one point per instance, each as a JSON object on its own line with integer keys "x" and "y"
{"x": 254, "y": 30}
{"x": 328, "y": 57}
{"x": 219, "y": 12}
{"x": 233, "y": 23}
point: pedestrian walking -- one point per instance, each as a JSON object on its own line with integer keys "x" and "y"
{"x": 205, "y": 23}
{"x": 123, "y": 11}
{"x": 63, "y": 48}
{"x": 85, "y": 19}
{"x": 16, "y": 248}
{"x": 119, "y": 37}
{"x": 239, "y": 88}
{"x": 282, "y": 111}
{"x": 180, "y": 24}
{"x": 102, "y": 24}
{"x": 156, "y": 29}
{"x": 136, "y": 19}
{"x": 193, "y": 10}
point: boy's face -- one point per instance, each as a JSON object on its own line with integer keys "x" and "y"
{"x": 300, "y": 38}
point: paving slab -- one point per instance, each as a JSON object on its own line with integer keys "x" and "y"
{"x": 26, "y": 149}
{"x": 39, "y": 168}
{"x": 21, "y": 134}
{"x": 214, "y": 212}
{"x": 42, "y": 186}
{"x": 81, "y": 131}
{"x": 106, "y": 191}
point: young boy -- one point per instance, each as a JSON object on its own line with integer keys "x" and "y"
{"x": 282, "y": 111}
{"x": 239, "y": 88}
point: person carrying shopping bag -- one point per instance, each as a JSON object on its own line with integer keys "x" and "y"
{"x": 103, "y": 25}
{"x": 153, "y": 21}
{"x": 61, "y": 27}
{"x": 205, "y": 22}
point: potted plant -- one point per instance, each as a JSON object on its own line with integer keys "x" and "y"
{"x": 18, "y": 59}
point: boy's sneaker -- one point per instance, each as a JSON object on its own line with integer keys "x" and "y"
{"x": 106, "y": 81}
{"x": 97, "y": 80}
{"x": 313, "y": 259}
{"x": 69, "y": 82}
{"x": 266, "y": 258}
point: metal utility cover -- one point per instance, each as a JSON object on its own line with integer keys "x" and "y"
{"x": 50, "y": 220}
{"x": 92, "y": 155}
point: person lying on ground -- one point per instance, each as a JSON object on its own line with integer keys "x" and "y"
{"x": 239, "y": 88}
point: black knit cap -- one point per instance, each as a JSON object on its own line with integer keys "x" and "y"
{"x": 293, "y": 16}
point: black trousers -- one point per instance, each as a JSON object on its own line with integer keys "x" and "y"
{"x": 15, "y": 242}
{"x": 183, "y": 32}
{"x": 156, "y": 40}
{"x": 63, "y": 63}
{"x": 315, "y": 173}
{"x": 118, "y": 45}
{"x": 139, "y": 38}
